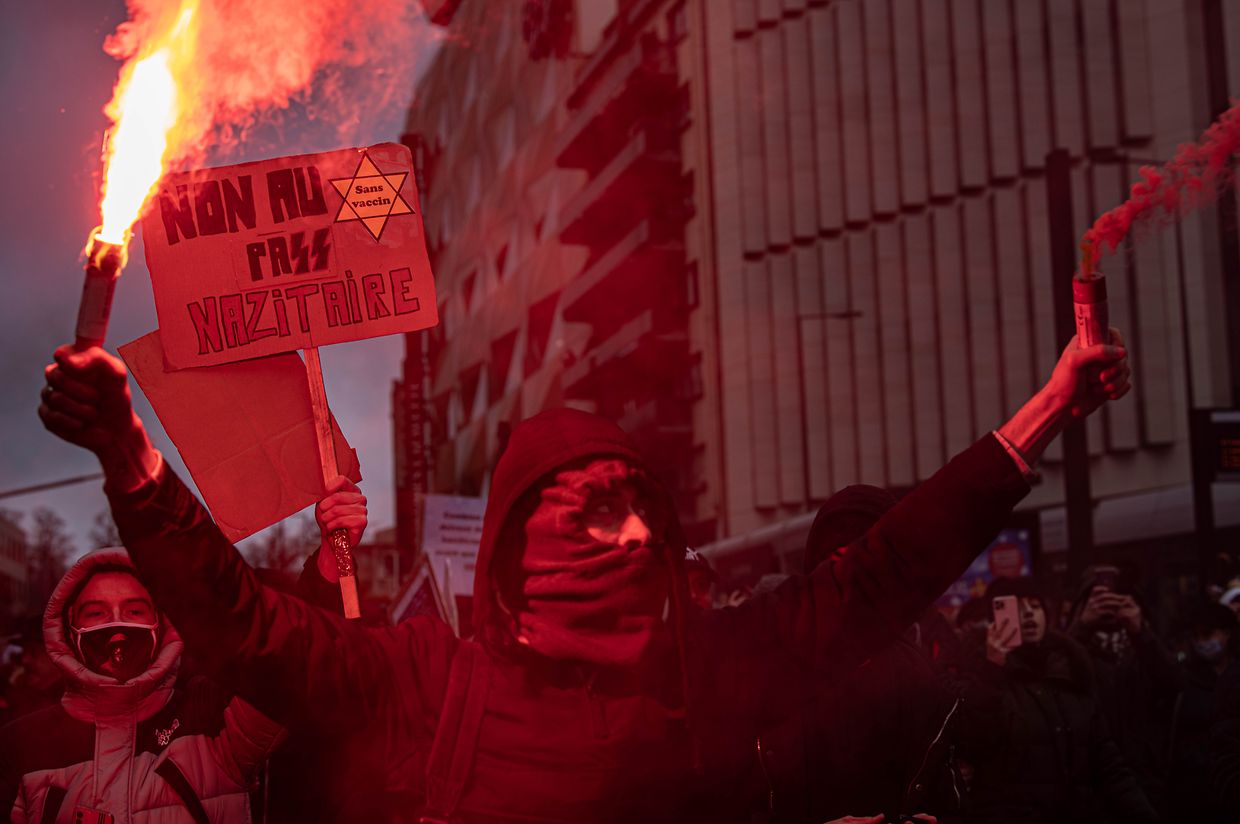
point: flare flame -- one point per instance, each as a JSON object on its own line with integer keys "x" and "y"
{"x": 145, "y": 111}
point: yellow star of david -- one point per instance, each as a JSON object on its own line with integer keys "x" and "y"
{"x": 371, "y": 196}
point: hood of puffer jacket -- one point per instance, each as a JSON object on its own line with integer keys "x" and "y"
{"x": 90, "y": 695}
{"x": 538, "y": 446}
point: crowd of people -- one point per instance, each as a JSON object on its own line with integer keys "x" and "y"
{"x": 172, "y": 682}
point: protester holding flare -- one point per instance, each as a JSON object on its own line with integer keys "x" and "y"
{"x": 592, "y": 692}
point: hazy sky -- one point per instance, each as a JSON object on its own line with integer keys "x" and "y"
{"x": 54, "y": 81}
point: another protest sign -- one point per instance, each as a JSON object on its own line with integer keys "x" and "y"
{"x": 1010, "y": 555}
{"x": 419, "y": 596}
{"x": 286, "y": 254}
{"x": 245, "y": 431}
{"x": 451, "y": 533}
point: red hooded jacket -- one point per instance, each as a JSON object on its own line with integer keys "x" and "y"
{"x": 560, "y": 741}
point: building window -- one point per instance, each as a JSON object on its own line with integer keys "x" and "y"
{"x": 538, "y": 332}
{"x": 467, "y": 290}
{"x": 470, "y": 380}
{"x": 677, "y": 24}
{"x": 500, "y": 262}
{"x": 501, "y": 361}
{"x": 690, "y": 388}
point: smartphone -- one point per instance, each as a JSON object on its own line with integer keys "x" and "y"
{"x": 1006, "y": 612}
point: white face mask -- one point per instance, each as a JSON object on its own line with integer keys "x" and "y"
{"x": 121, "y": 649}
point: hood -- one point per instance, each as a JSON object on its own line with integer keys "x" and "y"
{"x": 90, "y": 695}
{"x": 843, "y": 519}
{"x": 537, "y": 446}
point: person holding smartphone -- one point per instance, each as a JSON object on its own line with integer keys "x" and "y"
{"x": 1032, "y": 728}
{"x": 1138, "y": 680}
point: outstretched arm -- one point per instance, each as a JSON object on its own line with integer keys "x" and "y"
{"x": 295, "y": 663}
{"x": 868, "y": 593}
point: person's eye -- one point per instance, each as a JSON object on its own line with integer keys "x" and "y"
{"x": 602, "y": 509}
{"x": 90, "y": 617}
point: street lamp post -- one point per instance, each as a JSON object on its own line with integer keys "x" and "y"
{"x": 1078, "y": 498}
{"x": 1200, "y": 449}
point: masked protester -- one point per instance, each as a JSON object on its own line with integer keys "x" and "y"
{"x": 1210, "y": 674}
{"x": 591, "y": 692}
{"x": 1033, "y": 729}
{"x": 127, "y": 741}
{"x": 1138, "y": 680}
{"x": 867, "y": 739}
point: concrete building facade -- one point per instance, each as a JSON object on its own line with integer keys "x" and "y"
{"x": 798, "y": 245}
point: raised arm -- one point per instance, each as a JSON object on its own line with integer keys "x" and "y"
{"x": 296, "y": 663}
{"x": 866, "y": 595}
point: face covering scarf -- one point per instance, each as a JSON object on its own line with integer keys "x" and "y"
{"x": 585, "y": 599}
{"x": 121, "y": 649}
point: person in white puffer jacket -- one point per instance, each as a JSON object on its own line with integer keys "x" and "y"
{"x": 129, "y": 741}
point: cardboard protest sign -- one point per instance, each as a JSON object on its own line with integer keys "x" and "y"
{"x": 284, "y": 254}
{"x": 451, "y": 533}
{"x": 245, "y": 431}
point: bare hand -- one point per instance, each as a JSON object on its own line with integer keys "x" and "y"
{"x": 1086, "y": 378}
{"x": 1129, "y": 613}
{"x": 86, "y": 399}
{"x": 343, "y": 508}
{"x": 1100, "y": 604}
{"x": 1001, "y": 639}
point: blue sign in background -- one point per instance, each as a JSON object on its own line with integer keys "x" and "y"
{"x": 998, "y": 560}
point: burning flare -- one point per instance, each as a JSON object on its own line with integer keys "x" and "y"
{"x": 145, "y": 110}
{"x": 198, "y": 74}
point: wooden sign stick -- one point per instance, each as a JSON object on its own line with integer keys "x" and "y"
{"x": 327, "y": 460}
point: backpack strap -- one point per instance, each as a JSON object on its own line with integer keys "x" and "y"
{"x": 180, "y": 785}
{"x": 451, "y": 760}
{"x": 52, "y": 802}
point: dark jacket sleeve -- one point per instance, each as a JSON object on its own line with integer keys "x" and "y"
{"x": 1225, "y": 739}
{"x": 297, "y": 664}
{"x": 982, "y": 729}
{"x": 855, "y": 603}
{"x": 313, "y": 588}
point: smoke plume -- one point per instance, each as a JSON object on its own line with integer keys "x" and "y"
{"x": 250, "y": 60}
{"x": 1190, "y": 180}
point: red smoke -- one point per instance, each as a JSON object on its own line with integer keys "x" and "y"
{"x": 343, "y": 60}
{"x": 1188, "y": 181}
